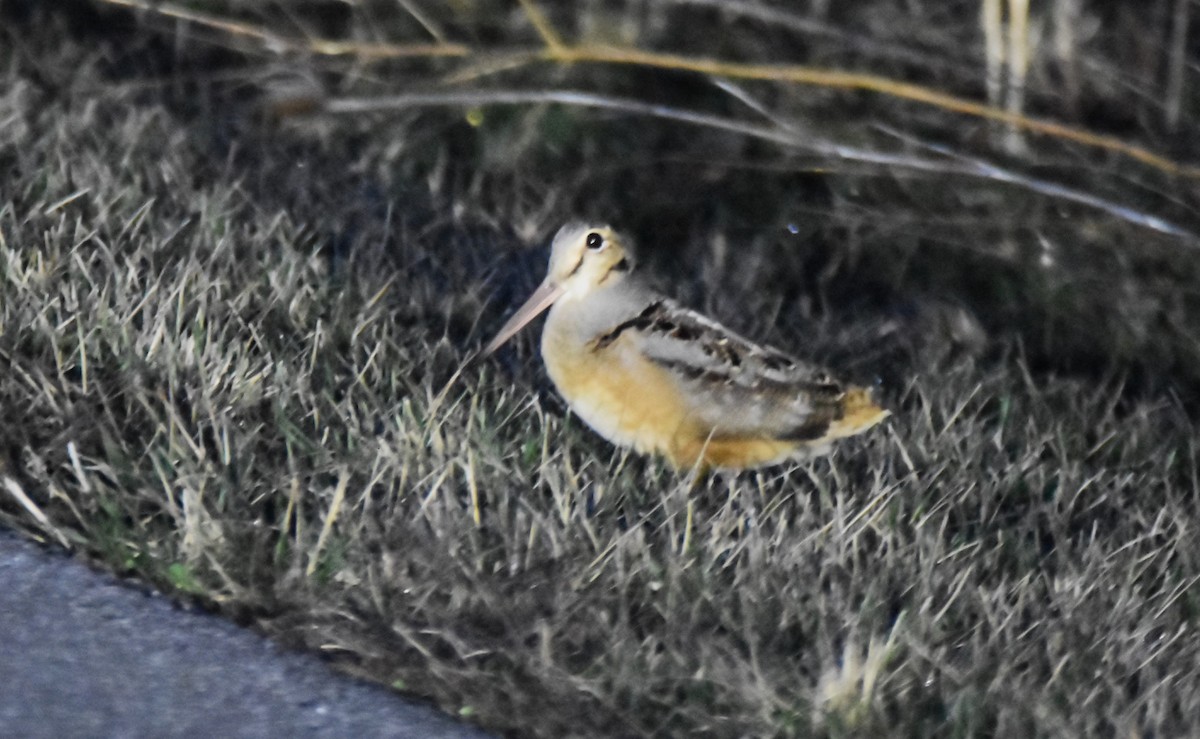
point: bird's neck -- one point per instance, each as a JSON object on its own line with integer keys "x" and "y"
{"x": 581, "y": 318}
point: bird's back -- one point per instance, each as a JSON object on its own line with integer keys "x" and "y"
{"x": 647, "y": 373}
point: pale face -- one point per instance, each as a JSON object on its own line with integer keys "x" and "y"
{"x": 582, "y": 258}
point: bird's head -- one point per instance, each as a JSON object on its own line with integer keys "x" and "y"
{"x": 583, "y": 258}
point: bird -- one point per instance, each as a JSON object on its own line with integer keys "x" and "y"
{"x": 647, "y": 373}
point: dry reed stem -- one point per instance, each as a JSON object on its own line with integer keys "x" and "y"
{"x": 560, "y": 52}
{"x": 551, "y": 38}
{"x": 838, "y": 79}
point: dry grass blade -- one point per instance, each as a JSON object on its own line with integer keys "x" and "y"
{"x": 551, "y": 38}
{"x": 973, "y": 166}
{"x": 837, "y": 79}
{"x": 14, "y": 489}
{"x": 280, "y": 43}
{"x": 331, "y": 517}
{"x": 952, "y": 164}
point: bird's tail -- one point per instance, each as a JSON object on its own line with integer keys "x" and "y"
{"x": 859, "y": 413}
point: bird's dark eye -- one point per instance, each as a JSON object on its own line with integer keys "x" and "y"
{"x": 595, "y": 241}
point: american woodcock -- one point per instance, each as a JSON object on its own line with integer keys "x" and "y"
{"x": 647, "y": 373}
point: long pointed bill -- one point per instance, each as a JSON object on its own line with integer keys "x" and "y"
{"x": 541, "y": 299}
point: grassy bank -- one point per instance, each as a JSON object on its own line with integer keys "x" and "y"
{"x": 228, "y": 342}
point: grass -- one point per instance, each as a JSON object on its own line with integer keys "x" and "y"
{"x": 228, "y": 345}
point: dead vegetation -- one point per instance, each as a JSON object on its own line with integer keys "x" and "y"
{"x": 227, "y": 338}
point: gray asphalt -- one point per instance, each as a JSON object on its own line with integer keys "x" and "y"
{"x": 84, "y": 655}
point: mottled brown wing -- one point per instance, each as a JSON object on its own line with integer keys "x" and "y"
{"x": 738, "y": 388}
